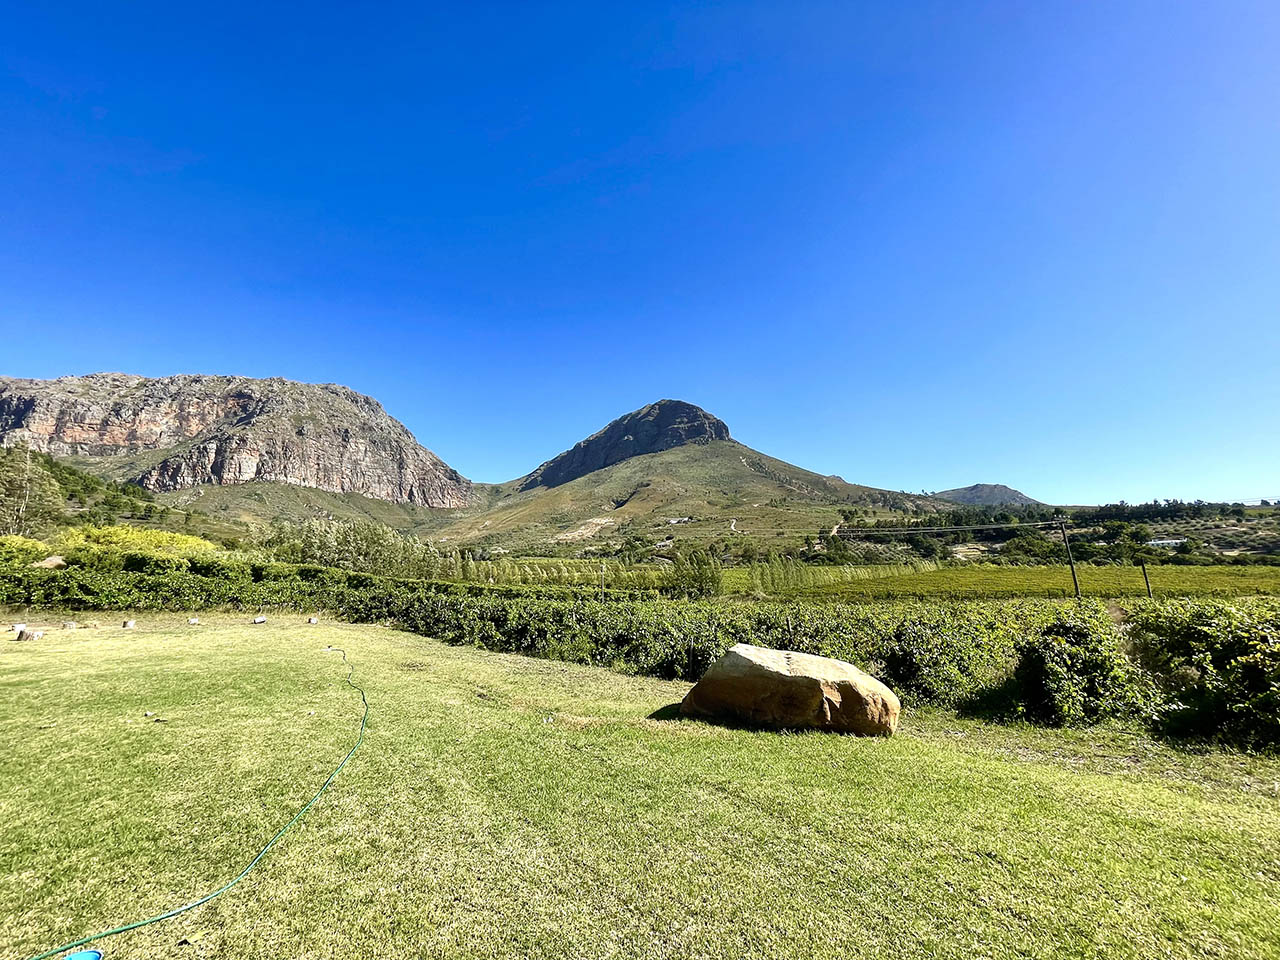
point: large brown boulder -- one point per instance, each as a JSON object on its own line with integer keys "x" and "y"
{"x": 758, "y": 686}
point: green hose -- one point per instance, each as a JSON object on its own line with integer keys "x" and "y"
{"x": 252, "y": 863}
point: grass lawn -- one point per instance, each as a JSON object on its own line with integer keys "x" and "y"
{"x": 507, "y": 807}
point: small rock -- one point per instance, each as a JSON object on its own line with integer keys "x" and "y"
{"x": 159, "y": 720}
{"x": 130, "y": 624}
{"x": 148, "y": 713}
{"x": 29, "y": 635}
{"x": 259, "y": 619}
{"x": 17, "y": 628}
{"x": 69, "y": 625}
{"x": 193, "y": 621}
{"x": 50, "y": 563}
{"x": 313, "y": 619}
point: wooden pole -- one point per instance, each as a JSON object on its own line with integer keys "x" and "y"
{"x": 1062, "y": 525}
{"x": 1143, "y": 563}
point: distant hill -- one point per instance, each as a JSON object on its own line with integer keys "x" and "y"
{"x": 178, "y": 432}
{"x": 987, "y": 495}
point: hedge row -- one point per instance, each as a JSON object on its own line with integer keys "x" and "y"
{"x": 1204, "y": 667}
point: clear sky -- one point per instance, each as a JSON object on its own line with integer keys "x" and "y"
{"x": 919, "y": 245}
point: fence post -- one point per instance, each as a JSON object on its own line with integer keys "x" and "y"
{"x": 1147, "y": 579}
{"x": 1062, "y": 525}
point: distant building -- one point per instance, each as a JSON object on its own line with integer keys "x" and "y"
{"x": 1166, "y": 543}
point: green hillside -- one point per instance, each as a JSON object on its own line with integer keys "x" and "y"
{"x": 714, "y": 491}
{"x": 241, "y": 506}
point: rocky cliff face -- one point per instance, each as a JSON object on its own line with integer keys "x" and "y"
{"x": 651, "y": 429}
{"x": 175, "y": 432}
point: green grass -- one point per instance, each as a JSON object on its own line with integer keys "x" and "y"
{"x": 506, "y": 807}
{"x": 983, "y": 581}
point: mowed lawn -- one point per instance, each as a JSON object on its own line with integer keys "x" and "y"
{"x": 507, "y": 807}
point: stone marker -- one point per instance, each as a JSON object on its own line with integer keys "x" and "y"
{"x": 259, "y": 619}
{"x": 17, "y": 628}
{"x": 69, "y": 625}
{"x": 130, "y": 624}
{"x": 50, "y": 563}
{"x": 313, "y": 619}
{"x": 193, "y": 621}
{"x": 775, "y": 688}
{"x": 29, "y": 635}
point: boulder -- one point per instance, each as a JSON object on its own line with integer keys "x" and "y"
{"x": 29, "y": 635}
{"x": 761, "y": 687}
{"x": 50, "y": 563}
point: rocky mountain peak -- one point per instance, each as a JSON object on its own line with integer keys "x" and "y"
{"x": 651, "y": 429}
{"x": 173, "y": 432}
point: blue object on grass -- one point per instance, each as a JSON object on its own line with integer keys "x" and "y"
{"x": 84, "y": 955}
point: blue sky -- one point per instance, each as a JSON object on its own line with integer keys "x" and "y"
{"x": 918, "y": 245}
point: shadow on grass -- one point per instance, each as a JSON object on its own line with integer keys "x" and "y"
{"x": 670, "y": 712}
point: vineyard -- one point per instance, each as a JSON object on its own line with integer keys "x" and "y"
{"x": 978, "y": 581}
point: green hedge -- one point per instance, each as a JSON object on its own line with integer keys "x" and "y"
{"x": 1203, "y": 667}
{"x": 944, "y": 653}
{"x": 1217, "y": 664}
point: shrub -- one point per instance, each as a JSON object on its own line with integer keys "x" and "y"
{"x": 21, "y": 551}
{"x": 1218, "y": 666}
{"x": 136, "y": 540}
{"x": 1074, "y": 670}
{"x": 153, "y": 563}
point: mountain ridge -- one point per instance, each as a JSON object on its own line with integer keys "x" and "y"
{"x": 185, "y": 430}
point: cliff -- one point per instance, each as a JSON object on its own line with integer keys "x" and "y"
{"x": 180, "y": 431}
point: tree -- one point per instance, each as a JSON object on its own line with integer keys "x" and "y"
{"x": 697, "y": 575}
{"x": 30, "y": 498}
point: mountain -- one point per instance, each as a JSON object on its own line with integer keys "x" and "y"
{"x": 177, "y": 432}
{"x": 987, "y": 495}
{"x": 651, "y": 429}
{"x": 667, "y": 469}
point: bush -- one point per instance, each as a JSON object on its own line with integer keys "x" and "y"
{"x": 1217, "y": 664}
{"x": 129, "y": 539}
{"x": 1075, "y": 671}
{"x": 153, "y": 563}
{"x": 21, "y": 551}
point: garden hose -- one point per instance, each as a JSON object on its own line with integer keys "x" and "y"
{"x": 364, "y": 720}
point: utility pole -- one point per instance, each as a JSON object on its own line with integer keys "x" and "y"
{"x": 1062, "y": 525}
